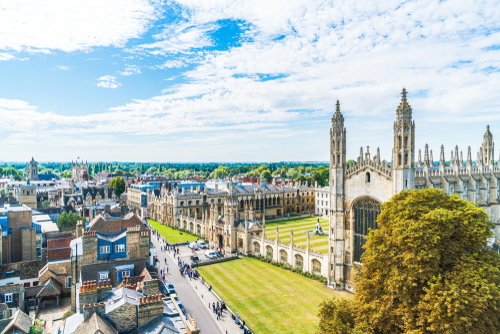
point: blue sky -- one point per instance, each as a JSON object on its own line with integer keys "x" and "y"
{"x": 139, "y": 80}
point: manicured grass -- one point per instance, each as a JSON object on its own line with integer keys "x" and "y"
{"x": 299, "y": 226}
{"x": 268, "y": 298}
{"x": 172, "y": 236}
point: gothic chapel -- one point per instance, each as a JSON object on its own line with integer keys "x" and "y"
{"x": 358, "y": 191}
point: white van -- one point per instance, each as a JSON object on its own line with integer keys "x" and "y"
{"x": 193, "y": 245}
{"x": 202, "y": 244}
{"x": 210, "y": 254}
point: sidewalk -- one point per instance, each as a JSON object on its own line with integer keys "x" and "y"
{"x": 226, "y": 323}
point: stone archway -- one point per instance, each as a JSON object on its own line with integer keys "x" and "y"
{"x": 299, "y": 261}
{"x": 316, "y": 266}
{"x": 198, "y": 229}
{"x": 269, "y": 252}
{"x": 256, "y": 247}
{"x": 191, "y": 227}
{"x": 283, "y": 256}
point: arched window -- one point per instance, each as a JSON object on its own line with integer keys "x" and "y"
{"x": 367, "y": 179}
{"x": 366, "y": 211}
{"x": 316, "y": 266}
{"x": 299, "y": 261}
{"x": 283, "y": 256}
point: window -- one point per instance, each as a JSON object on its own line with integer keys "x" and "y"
{"x": 9, "y": 274}
{"x": 8, "y": 298}
{"x": 68, "y": 282}
{"x": 103, "y": 276}
{"x": 367, "y": 177}
{"x": 105, "y": 250}
{"x": 120, "y": 248}
{"x": 125, "y": 273}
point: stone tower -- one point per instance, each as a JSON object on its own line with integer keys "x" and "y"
{"x": 488, "y": 148}
{"x": 32, "y": 170}
{"x": 337, "y": 194}
{"x": 403, "y": 168}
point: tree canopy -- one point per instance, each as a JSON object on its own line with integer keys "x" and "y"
{"x": 118, "y": 184}
{"x": 68, "y": 220}
{"x": 427, "y": 269}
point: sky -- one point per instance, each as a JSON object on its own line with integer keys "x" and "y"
{"x": 238, "y": 81}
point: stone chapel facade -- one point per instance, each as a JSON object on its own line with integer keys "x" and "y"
{"x": 357, "y": 192}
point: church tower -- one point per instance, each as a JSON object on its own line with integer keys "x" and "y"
{"x": 32, "y": 172}
{"x": 403, "y": 168}
{"x": 337, "y": 195}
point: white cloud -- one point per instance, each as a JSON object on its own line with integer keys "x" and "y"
{"x": 108, "y": 81}
{"x": 72, "y": 25}
{"x": 6, "y": 56}
{"x": 129, "y": 70}
{"x": 63, "y": 68}
{"x": 361, "y": 52}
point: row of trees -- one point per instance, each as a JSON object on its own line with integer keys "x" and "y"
{"x": 427, "y": 269}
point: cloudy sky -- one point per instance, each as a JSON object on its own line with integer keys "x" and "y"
{"x": 249, "y": 80}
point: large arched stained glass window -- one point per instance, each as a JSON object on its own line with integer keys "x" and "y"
{"x": 366, "y": 211}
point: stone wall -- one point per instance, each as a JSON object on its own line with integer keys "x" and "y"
{"x": 133, "y": 243}
{"x": 89, "y": 309}
{"x": 124, "y": 317}
{"x": 150, "y": 307}
{"x": 89, "y": 245}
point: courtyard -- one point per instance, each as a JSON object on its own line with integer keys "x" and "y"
{"x": 268, "y": 298}
{"x": 299, "y": 226}
{"x": 171, "y": 235}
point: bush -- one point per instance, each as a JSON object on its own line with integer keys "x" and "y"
{"x": 287, "y": 266}
{"x": 68, "y": 314}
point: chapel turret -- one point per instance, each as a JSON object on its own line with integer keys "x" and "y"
{"x": 488, "y": 148}
{"x": 403, "y": 160}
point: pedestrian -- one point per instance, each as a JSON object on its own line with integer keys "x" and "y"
{"x": 167, "y": 270}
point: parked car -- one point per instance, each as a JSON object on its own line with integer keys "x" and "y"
{"x": 210, "y": 254}
{"x": 193, "y": 245}
{"x": 202, "y": 244}
{"x": 219, "y": 255}
{"x": 194, "y": 258}
{"x": 170, "y": 287}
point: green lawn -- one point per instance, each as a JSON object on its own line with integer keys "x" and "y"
{"x": 299, "y": 226}
{"x": 172, "y": 236}
{"x": 268, "y": 298}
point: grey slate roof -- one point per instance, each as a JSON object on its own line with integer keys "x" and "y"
{"x": 90, "y": 272}
{"x": 96, "y": 324}
{"x": 19, "y": 320}
{"x": 10, "y": 288}
{"x": 160, "y": 325}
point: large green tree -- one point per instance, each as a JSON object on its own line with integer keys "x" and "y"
{"x": 118, "y": 184}
{"x": 68, "y": 220}
{"x": 428, "y": 268}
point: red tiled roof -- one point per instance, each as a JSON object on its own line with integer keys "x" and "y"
{"x": 59, "y": 243}
{"x": 58, "y": 254}
{"x": 115, "y": 226}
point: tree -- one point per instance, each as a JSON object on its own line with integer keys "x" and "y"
{"x": 337, "y": 316}
{"x": 267, "y": 175}
{"x": 301, "y": 169}
{"x": 68, "y": 220}
{"x": 428, "y": 268}
{"x": 118, "y": 184}
{"x": 45, "y": 204}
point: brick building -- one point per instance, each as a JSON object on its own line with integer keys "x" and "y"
{"x": 116, "y": 247}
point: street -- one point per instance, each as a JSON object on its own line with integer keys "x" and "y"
{"x": 186, "y": 293}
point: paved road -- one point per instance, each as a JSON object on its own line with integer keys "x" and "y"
{"x": 187, "y": 295}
